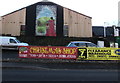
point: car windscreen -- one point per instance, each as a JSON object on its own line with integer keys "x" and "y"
{"x": 72, "y": 45}
{"x": 17, "y": 41}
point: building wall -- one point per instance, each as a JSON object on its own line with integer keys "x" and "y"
{"x": 11, "y": 23}
{"x": 79, "y": 25}
{"x": 0, "y": 25}
{"x": 119, "y": 13}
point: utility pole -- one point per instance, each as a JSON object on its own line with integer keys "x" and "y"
{"x": 105, "y": 26}
{"x": 45, "y": 1}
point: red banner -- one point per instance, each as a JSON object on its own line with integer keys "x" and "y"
{"x": 48, "y": 52}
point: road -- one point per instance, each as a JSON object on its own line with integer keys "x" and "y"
{"x": 58, "y": 75}
{"x": 9, "y": 54}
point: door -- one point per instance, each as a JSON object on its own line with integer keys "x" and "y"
{"x": 12, "y": 43}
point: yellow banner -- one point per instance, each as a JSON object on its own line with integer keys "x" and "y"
{"x": 99, "y": 53}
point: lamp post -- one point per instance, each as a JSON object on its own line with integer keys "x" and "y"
{"x": 105, "y": 26}
{"x": 116, "y": 31}
{"x": 104, "y": 31}
{"x": 116, "y": 34}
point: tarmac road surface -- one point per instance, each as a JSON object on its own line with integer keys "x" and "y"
{"x": 22, "y": 74}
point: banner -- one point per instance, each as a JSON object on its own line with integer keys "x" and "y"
{"x": 98, "y": 54}
{"x": 47, "y": 52}
{"x": 50, "y": 52}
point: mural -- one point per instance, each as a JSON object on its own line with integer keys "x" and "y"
{"x": 46, "y": 20}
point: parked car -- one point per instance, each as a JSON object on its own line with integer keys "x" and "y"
{"x": 10, "y": 43}
{"x": 81, "y": 44}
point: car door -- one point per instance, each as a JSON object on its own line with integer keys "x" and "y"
{"x": 13, "y": 43}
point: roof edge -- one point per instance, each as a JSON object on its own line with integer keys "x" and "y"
{"x": 78, "y": 12}
{"x": 48, "y": 2}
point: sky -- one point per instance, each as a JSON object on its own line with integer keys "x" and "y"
{"x": 103, "y": 12}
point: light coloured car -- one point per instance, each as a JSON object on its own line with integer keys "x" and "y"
{"x": 11, "y": 43}
{"x": 81, "y": 44}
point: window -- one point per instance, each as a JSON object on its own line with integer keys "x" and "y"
{"x": 65, "y": 30}
{"x": 91, "y": 45}
{"x": 72, "y": 45}
{"x": 22, "y": 31}
{"x": 77, "y": 44}
{"x": 17, "y": 41}
{"x": 82, "y": 45}
{"x": 12, "y": 41}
